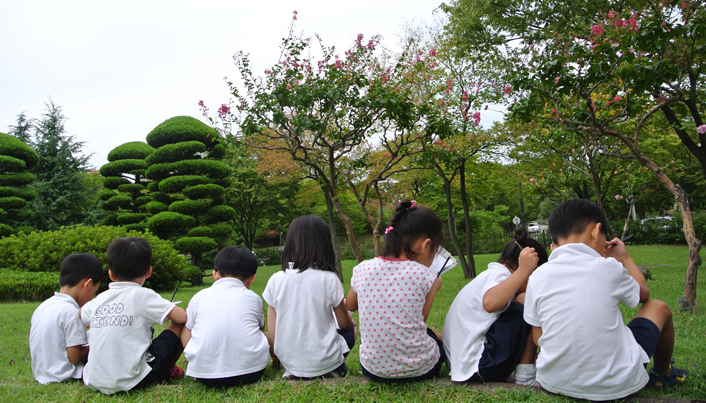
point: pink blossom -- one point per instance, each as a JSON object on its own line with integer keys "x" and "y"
{"x": 476, "y": 118}
{"x": 441, "y": 103}
{"x": 432, "y": 52}
{"x": 486, "y": 108}
{"x": 672, "y": 161}
{"x": 464, "y": 98}
{"x": 612, "y": 14}
{"x": 223, "y": 111}
{"x": 507, "y": 89}
{"x": 616, "y": 99}
{"x": 201, "y": 104}
{"x": 701, "y": 129}
{"x": 597, "y": 30}
{"x": 556, "y": 80}
{"x": 289, "y": 87}
{"x": 618, "y": 197}
{"x": 359, "y": 41}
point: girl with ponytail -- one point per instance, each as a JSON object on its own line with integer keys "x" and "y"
{"x": 395, "y": 293}
{"x": 485, "y": 335}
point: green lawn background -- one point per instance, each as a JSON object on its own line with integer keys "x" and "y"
{"x": 666, "y": 263}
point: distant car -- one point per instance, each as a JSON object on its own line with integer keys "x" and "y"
{"x": 660, "y": 222}
{"x": 533, "y": 227}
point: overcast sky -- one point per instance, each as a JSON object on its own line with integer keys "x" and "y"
{"x": 120, "y": 68}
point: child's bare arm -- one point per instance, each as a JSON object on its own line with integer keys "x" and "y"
{"x": 536, "y": 334}
{"x": 342, "y": 316}
{"x": 616, "y": 249}
{"x": 430, "y": 297}
{"x": 498, "y": 296}
{"x": 77, "y": 354}
{"x": 185, "y": 336}
{"x": 271, "y": 320}
{"x": 177, "y": 315}
{"x": 352, "y": 300}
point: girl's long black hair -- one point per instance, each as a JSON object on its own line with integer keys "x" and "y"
{"x": 308, "y": 245}
{"x": 409, "y": 223}
{"x": 510, "y": 256}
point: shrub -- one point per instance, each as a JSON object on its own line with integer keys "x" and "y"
{"x": 176, "y": 152}
{"x": 220, "y": 213}
{"x": 200, "y": 231}
{"x": 27, "y": 286}
{"x": 27, "y": 194}
{"x": 175, "y": 184}
{"x": 134, "y": 150}
{"x": 200, "y": 191}
{"x": 168, "y": 222}
{"x": 20, "y": 179}
{"x": 14, "y": 147}
{"x": 114, "y": 181}
{"x": 155, "y": 207}
{"x": 115, "y": 168}
{"x": 199, "y": 244}
{"x": 118, "y": 201}
{"x": 44, "y": 251}
{"x": 181, "y": 129}
{"x": 190, "y": 207}
{"x": 269, "y": 256}
{"x": 11, "y": 164}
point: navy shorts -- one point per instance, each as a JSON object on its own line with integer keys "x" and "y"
{"x": 165, "y": 349}
{"x": 434, "y": 372}
{"x": 504, "y": 343}
{"x": 348, "y": 335}
{"x": 646, "y": 334}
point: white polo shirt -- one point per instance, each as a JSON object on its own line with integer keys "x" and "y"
{"x": 467, "y": 323}
{"x": 55, "y": 325}
{"x": 306, "y": 341}
{"x": 225, "y": 321}
{"x": 586, "y": 351}
{"x": 121, "y": 321}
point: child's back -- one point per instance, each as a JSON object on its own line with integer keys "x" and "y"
{"x": 225, "y": 322}
{"x": 57, "y": 334}
{"x": 577, "y": 296}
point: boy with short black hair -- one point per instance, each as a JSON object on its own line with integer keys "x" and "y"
{"x": 123, "y": 355}
{"x": 224, "y": 338}
{"x": 57, "y": 336}
{"x": 573, "y": 303}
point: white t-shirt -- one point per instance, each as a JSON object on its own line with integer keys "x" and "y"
{"x": 467, "y": 323}
{"x": 586, "y": 350}
{"x": 226, "y": 340}
{"x": 393, "y": 335}
{"x": 121, "y": 321}
{"x": 55, "y": 325}
{"x": 306, "y": 341}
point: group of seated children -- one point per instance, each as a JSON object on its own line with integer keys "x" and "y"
{"x": 568, "y": 307}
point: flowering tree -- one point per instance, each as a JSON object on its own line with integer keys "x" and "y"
{"x": 321, "y": 112}
{"x": 615, "y": 79}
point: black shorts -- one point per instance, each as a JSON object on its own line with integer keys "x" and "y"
{"x": 504, "y": 343}
{"x": 434, "y": 372}
{"x": 348, "y": 335}
{"x": 165, "y": 349}
{"x": 646, "y": 334}
{"x": 233, "y": 380}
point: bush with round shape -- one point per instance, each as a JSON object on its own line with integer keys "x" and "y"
{"x": 190, "y": 207}
{"x": 118, "y": 201}
{"x": 114, "y": 182}
{"x": 11, "y": 164}
{"x": 195, "y": 244}
{"x": 153, "y": 186}
{"x": 24, "y": 215}
{"x": 7, "y": 191}
{"x": 201, "y": 191}
{"x": 181, "y": 129}
{"x": 43, "y": 252}
{"x": 155, "y": 207}
{"x": 142, "y": 200}
{"x": 221, "y": 230}
{"x": 168, "y": 222}
{"x": 140, "y": 227}
{"x": 200, "y": 232}
{"x": 176, "y": 152}
{"x": 209, "y": 168}
{"x": 220, "y": 214}
{"x": 19, "y": 179}
{"x": 118, "y": 167}
{"x": 176, "y": 184}
{"x": 15, "y": 158}
{"x": 133, "y": 188}
{"x": 134, "y": 150}
{"x": 27, "y": 194}
{"x": 131, "y": 218}
{"x": 12, "y": 202}
{"x": 14, "y": 147}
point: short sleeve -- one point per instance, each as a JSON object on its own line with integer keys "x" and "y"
{"x": 335, "y": 290}
{"x": 268, "y": 293}
{"x": 530, "y": 314}
{"x": 260, "y": 314}
{"x": 86, "y": 313}
{"x": 495, "y": 277}
{"x": 75, "y": 331}
{"x": 156, "y": 307}
{"x": 191, "y": 311}
{"x": 428, "y": 277}
{"x": 629, "y": 289}
{"x": 354, "y": 279}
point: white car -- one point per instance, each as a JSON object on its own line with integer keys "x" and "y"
{"x": 533, "y": 227}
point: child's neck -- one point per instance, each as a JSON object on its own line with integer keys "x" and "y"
{"x": 72, "y": 291}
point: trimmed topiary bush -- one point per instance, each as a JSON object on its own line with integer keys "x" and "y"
{"x": 125, "y": 181}
{"x": 15, "y": 158}
{"x": 185, "y": 164}
{"x": 44, "y": 251}
{"x": 27, "y": 286}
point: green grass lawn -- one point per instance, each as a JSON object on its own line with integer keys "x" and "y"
{"x": 18, "y": 385}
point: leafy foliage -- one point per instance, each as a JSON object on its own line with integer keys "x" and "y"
{"x": 27, "y": 286}
{"x": 15, "y": 157}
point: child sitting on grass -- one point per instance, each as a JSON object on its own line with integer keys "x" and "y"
{"x": 224, "y": 337}
{"x": 306, "y": 311}
{"x": 485, "y": 336}
{"x": 395, "y": 293}
{"x": 573, "y": 302}
{"x": 57, "y": 336}
{"x": 123, "y": 355}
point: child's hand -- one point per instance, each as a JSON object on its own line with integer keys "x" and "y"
{"x": 528, "y": 260}
{"x": 616, "y": 249}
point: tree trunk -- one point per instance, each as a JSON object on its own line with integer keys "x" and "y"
{"x": 376, "y": 227}
{"x": 627, "y": 219}
{"x": 688, "y": 302}
{"x": 349, "y": 227}
{"x": 196, "y": 261}
{"x": 334, "y": 238}
{"x": 452, "y": 230}
{"x": 470, "y": 270}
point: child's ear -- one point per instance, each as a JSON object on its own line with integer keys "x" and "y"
{"x": 87, "y": 282}
{"x": 596, "y": 231}
{"x": 216, "y": 275}
{"x": 110, "y": 274}
{"x": 149, "y": 273}
{"x": 248, "y": 282}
